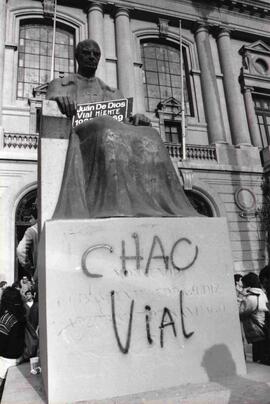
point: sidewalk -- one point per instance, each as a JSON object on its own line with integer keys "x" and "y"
{"x": 254, "y": 388}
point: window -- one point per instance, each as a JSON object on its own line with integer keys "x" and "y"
{"x": 262, "y": 108}
{"x": 35, "y": 50}
{"x": 162, "y": 79}
{"x": 199, "y": 203}
{"x": 173, "y": 132}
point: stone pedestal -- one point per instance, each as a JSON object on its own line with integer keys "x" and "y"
{"x": 129, "y": 305}
{"x": 53, "y": 143}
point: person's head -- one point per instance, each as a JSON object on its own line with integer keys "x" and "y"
{"x": 25, "y": 279}
{"x": 87, "y": 54}
{"x": 12, "y": 303}
{"x": 238, "y": 280}
{"x": 251, "y": 280}
{"x": 3, "y": 284}
{"x": 16, "y": 285}
{"x": 28, "y": 296}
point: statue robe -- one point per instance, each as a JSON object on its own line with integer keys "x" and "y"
{"x": 117, "y": 170}
{"x": 82, "y": 90}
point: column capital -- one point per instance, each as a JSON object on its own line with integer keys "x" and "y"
{"x": 221, "y": 30}
{"x": 94, "y": 5}
{"x": 122, "y": 11}
{"x": 200, "y": 26}
{"x": 247, "y": 89}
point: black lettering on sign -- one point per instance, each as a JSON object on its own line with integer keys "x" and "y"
{"x": 166, "y": 312}
{"x": 123, "y": 349}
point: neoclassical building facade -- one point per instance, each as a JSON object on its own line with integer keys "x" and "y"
{"x": 225, "y": 55}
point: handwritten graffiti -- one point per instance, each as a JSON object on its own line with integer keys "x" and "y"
{"x": 136, "y": 257}
{"x": 166, "y": 321}
{"x": 85, "y": 255}
{"x": 157, "y": 257}
{"x": 147, "y": 323}
{"x": 157, "y": 252}
{"x": 123, "y": 349}
{"x": 162, "y": 256}
{"x": 181, "y": 240}
{"x": 186, "y": 334}
{"x": 166, "y": 313}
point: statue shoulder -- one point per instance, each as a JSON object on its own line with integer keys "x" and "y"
{"x": 57, "y": 87}
{"x": 110, "y": 90}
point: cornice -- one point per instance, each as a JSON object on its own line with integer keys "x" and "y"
{"x": 260, "y": 8}
{"x": 251, "y": 7}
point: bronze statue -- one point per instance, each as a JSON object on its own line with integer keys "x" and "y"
{"x": 112, "y": 169}
{"x": 84, "y": 86}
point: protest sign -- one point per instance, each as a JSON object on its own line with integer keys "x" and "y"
{"x": 117, "y": 109}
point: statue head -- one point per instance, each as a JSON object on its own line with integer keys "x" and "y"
{"x": 87, "y": 54}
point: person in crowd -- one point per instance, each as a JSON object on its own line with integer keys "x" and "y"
{"x": 12, "y": 327}
{"x": 239, "y": 295}
{"x": 25, "y": 285}
{"x": 33, "y": 312}
{"x": 17, "y": 285}
{"x": 28, "y": 302}
{"x": 238, "y": 287}
{"x": 253, "y": 308}
{"x": 3, "y": 285}
{"x": 265, "y": 280}
{"x": 28, "y": 245}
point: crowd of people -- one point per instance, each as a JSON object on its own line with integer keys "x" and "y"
{"x": 253, "y": 297}
{"x": 18, "y": 324}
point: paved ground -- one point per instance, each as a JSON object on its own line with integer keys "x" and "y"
{"x": 254, "y": 388}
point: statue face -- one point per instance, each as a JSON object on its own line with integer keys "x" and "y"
{"x": 88, "y": 57}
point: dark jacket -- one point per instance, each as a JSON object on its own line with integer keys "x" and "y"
{"x": 11, "y": 336}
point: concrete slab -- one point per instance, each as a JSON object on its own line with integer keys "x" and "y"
{"x": 253, "y": 388}
{"x": 148, "y": 302}
{"x": 23, "y": 387}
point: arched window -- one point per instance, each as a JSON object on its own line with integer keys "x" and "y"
{"x": 200, "y": 203}
{"x": 35, "y": 50}
{"x": 162, "y": 78}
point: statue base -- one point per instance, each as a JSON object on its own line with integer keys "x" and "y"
{"x": 129, "y": 305}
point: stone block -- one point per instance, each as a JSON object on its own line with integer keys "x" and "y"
{"x": 50, "y": 172}
{"x": 54, "y": 124}
{"x": 55, "y": 129}
{"x": 129, "y": 305}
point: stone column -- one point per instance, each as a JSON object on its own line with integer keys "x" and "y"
{"x": 96, "y": 32}
{"x": 2, "y": 53}
{"x": 251, "y": 116}
{"x": 232, "y": 89}
{"x": 125, "y": 66}
{"x": 216, "y": 130}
